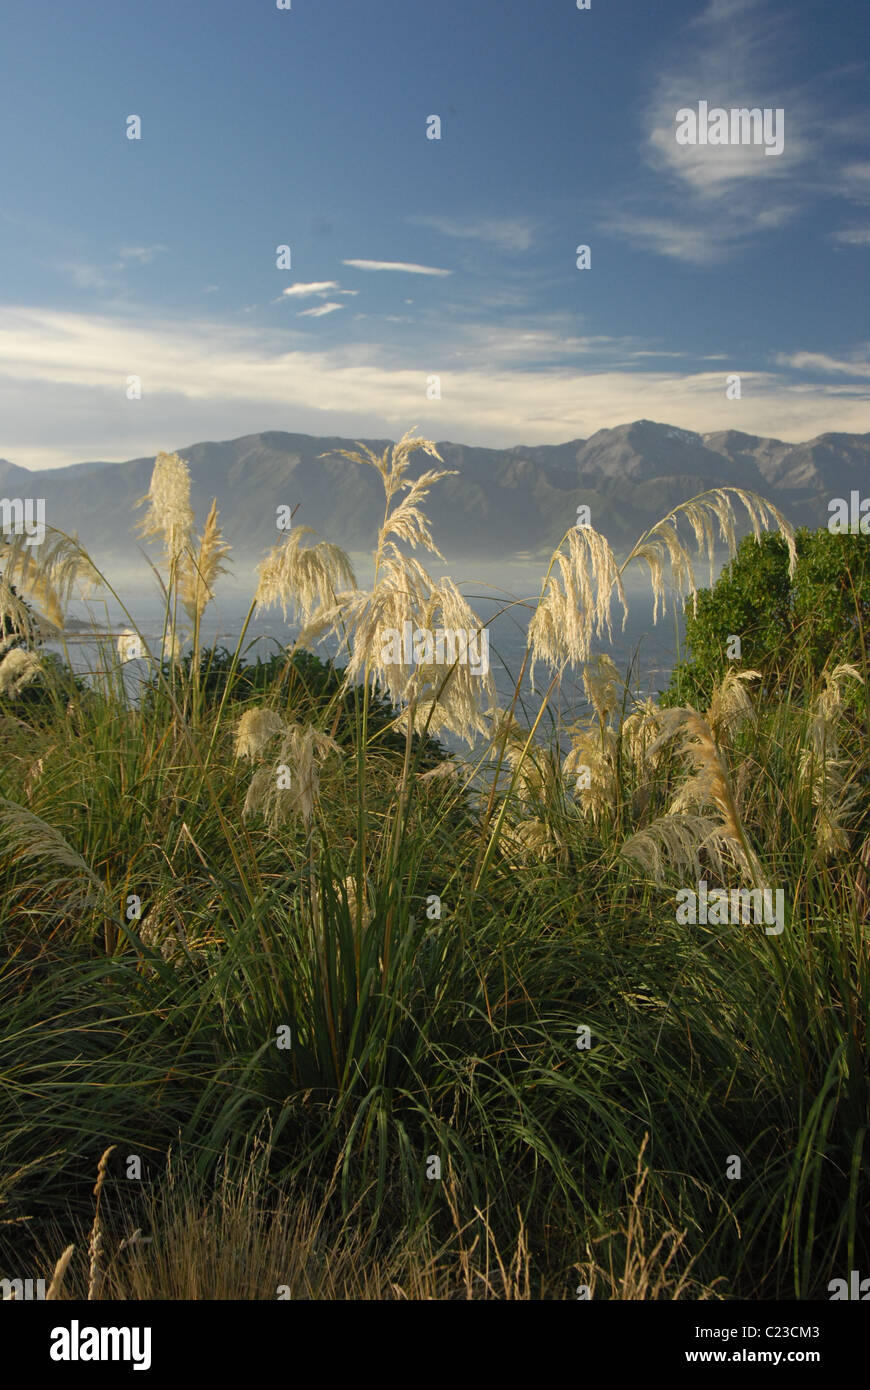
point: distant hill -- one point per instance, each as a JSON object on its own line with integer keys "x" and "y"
{"x": 503, "y": 501}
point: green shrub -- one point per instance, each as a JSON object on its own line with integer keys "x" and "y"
{"x": 789, "y": 629}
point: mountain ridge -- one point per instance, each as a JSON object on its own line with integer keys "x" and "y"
{"x": 518, "y": 499}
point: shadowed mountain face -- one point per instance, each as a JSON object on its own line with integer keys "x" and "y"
{"x": 503, "y": 501}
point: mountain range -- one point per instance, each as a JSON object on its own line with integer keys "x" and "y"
{"x": 503, "y": 502}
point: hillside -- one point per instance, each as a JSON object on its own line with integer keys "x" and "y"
{"x": 503, "y": 501}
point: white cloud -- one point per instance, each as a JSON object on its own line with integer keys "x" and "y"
{"x": 649, "y": 352}
{"x": 302, "y": 291}
{"x": 711, "y": 171}
{"x": 63, "y": 381}
{"x": 822, "y": 362}
{"x": 407, "y": 266}
{"x": 319, "y": 310}
{"x": 514, "y": 343}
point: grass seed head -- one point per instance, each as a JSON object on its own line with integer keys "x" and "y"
{"x": 169, "y": 515}
{"x": 17, "y": 669}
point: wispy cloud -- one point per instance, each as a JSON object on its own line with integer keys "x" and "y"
{"x": 206, "y": 380}
{"x": 712, "y": 200}
{"x": 516, "y": 343}
{"x": 303, "y": 291}
{"x": 142, "y": 255}
{"x": 507, "y": 233}
{"x": 318, "y": 288}
{"x": 409, "y": 267}
{"x": 651, "y": 352}
{"x": 857, "y": 366}
{"x": 319, "y": 310}
{"x": 852, "y": 236}
{"x": 87, "y": 277}
{"x": 673, "y": 237}
{"x": 853, "y": 181}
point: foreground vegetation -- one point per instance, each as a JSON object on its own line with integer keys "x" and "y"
{"x": 260, "y": 931}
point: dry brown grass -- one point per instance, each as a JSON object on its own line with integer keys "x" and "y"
{"x": 240, "y": 1240}
{"x": 647, "y": 1267}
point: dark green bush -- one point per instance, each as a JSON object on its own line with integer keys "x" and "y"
{"x": 790, "y": 629}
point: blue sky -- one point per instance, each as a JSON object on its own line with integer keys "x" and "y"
{"x": 414, "y": 258}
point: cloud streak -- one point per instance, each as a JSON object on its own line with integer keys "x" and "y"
{"x": 319, "y": 310}
{"x": 506, "y": 233}
{"x": 303, "y": 291}
{"x": 210, "y": 380}
{"x": 852, "y": 236}
{"x": 407, "y": 266}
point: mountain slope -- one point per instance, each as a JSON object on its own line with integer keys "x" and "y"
{"x": 502, "y": 501}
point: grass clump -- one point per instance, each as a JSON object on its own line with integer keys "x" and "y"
{"x": 375, "y": 1021}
